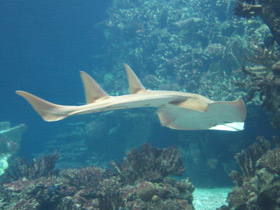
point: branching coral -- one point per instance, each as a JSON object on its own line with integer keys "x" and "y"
{"x": 259, "y": 186}
{"x": 37, "y": 168}
{"x": 247, "y": 159}
{"x": 84, "y": 177}
{"x": 263, "y": 56}
{"x": 109, "y": 194}
{"x": 271, "y": 161}
{"x": 264, "y": 78}
{"x": 149, "y": 163}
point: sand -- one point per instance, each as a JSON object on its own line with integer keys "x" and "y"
{"x": 210, "y": 198}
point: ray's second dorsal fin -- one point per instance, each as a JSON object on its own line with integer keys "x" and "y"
{"x": 93, "y": 91}
{"x": 135, "y": 86}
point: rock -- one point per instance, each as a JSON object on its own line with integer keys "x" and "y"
{"x": 276, "y": 69}
{"x": 146, "y": 191}
{"x": 9, "y": 142}
{"x": 156, "y": 198}
{"x": 13, "y": 133}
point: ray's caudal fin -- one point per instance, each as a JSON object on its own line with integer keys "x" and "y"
{"x": 176, "y": 110}
{"x": 47, "y": 110}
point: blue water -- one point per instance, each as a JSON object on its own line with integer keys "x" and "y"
{"x": 44, "y": 45}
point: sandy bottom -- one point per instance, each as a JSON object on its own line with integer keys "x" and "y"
{"x": 210, "y": 198}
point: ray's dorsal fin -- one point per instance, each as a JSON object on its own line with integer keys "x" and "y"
{"x": 135, "y": 86}
{"x": 93, "y": 91}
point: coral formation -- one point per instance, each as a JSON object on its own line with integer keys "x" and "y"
{"x": 149, "y": 163}
{"x": 247, "y": 10}
{"x": 271, "y": 161}
{"x": 247, "y": 159}
{"x": 259, "y": 186}
{"x": 39, "y": 186}
{"x": 34, "y": 170}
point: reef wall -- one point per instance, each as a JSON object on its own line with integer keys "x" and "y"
{"x": 259, "y": 185}
{"x": 268, "y": 10}
{"x": 263, "y": 65}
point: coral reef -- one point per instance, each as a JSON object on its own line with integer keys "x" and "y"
{"x": 268, "y": 10}
{"x": 9, "y": 143}
{"x": 40, "y": 186}
{"x": 34, "y": 170}
{"x": 264, "y": 79}
{"x": 259, "y": 186}
{"x": 247, "y": 10}
{"x": 247, "y": 159}
{"x": 185, "y": 40}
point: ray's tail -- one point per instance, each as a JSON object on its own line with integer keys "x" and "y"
{"x": 47, "y": 110}
{"x": 53, "y": 112}
{"x": 93, "y": 92}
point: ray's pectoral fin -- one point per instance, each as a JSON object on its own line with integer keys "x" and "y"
{"x": 233, "y": 111}
{"x": 221, "y": 115}
{"x": 168, "y": 115}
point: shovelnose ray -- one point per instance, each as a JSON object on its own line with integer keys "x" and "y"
{"x": 176, "y": 110}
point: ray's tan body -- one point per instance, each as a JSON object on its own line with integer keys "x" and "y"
{"x": 145, "y": 99}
